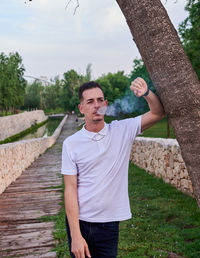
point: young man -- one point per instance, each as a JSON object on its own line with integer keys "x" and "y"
{"x": 95, "y": 167}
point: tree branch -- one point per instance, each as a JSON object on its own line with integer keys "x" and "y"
{"x": 75, "y": 7}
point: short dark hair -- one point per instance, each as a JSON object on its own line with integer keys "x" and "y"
{"x": 87, "y": 86}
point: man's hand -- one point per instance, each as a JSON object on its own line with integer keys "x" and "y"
{"x": 139, "y": 87}
{"x": 80, "y": 248}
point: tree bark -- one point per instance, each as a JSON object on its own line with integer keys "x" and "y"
{"x": 172, "y": 74}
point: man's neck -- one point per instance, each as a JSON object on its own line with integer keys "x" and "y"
{"x": 94, "y": 126}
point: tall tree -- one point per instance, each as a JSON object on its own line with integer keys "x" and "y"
{"x": 33, "y": 95}
{"x": 88, "y": 74}
{"x": 12, "y": 83}
{"x": 190, "y": 34}
{"x": 72, "y": 80}
{"x": 172, "y": 74}
{"x": 53, "y": 94}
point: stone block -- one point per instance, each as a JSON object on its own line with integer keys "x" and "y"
{"x": 170, "y": 173}
{"x": 185, "y": 184}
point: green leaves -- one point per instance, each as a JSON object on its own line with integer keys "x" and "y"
{"x": 12, "y": 83}
{"x": 189, "y": 31}
{"x": 114, "y": 85}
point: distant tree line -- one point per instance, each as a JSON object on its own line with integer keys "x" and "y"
{"x": 62, "y": 94}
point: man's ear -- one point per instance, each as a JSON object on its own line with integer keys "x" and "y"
{"x": 80, "y": 107}
{"x": 106, "y": 103}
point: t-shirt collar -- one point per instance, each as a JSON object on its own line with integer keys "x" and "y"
{"x": 102, "y": 132}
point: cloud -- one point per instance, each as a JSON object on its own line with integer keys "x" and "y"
{"x": 51, "y": 40}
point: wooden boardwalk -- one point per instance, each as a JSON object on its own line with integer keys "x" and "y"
{"x": 34, "y": 194}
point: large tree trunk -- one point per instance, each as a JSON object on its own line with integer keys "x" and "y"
{"x": 172, "y": 74}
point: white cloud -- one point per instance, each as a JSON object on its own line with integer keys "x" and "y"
{"x": 51, "y": 40}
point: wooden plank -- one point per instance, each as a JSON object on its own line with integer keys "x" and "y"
{"x": 30, "y": 239}
{"x": 27, "y": 252}
{"x": 31, "y": 214}
{"x": 34, "y": 186}
{"x": 15, "y": 229}
{"x": 35, "y": 192}
{"x": 29, "y": 198}
{"x": 46, "y": 255}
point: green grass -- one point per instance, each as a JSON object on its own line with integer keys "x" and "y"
{"x": 165, "y": 221}
{"x": 159, "y": 130}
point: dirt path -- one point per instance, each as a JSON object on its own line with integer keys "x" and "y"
{"x": 34, "y": 194}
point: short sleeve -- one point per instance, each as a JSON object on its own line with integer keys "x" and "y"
{"x": 68, "y": 163}
{"x": 131, "y": 127}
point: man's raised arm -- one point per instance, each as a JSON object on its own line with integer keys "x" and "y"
{"x": 156, "y": 113}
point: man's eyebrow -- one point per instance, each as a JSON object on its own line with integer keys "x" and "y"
{"x": 94, "y": 98}
{"x": 89, "y": 99}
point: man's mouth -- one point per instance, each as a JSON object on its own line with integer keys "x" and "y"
{"x": 96, "y": 113}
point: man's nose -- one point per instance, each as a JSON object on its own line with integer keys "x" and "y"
{"x": 96, "y": 104}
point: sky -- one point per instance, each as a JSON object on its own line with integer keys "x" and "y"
{"x": 52, "y": 40}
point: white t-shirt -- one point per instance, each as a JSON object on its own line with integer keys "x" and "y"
{"x": 100, "y": 161}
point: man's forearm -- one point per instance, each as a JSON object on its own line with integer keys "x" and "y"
{"x": 79, "y": 246}
{"x": 155, "y": 105}
{"x": 72, "y": 210}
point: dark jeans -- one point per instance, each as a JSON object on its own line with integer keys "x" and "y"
{"x": 102, "y": 238}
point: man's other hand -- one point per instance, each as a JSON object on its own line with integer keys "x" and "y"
{"x": 139, "y": 87}
{"x": 80, "y": 248}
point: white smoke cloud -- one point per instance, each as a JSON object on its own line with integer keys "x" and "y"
{"x": 128, "y": 104}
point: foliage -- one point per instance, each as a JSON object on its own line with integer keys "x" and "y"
{"x": 62, "y": 94}
{"x": 12, "y": 83}
{"x": 33, "y": 96}
{"x": 71, "y": 83}
{"x": 53, "y": 95}
{"x": 189, "y": 31}
{"x": 88, "y": 75}
{"x": 139, "y": 70}
{"x": 114, "y": 85}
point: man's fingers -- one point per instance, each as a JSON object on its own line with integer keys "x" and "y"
{"x": 136, "y": 84}
{"x": 87, "y": 252}
{"x": 82, "y": 254}
{"x": 79, "y": 254}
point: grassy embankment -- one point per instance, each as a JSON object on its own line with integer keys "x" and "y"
{"x": 18, "y": 136}
{"x": 165, "y": 221}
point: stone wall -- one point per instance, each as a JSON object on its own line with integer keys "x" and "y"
{"x": 162, "y": 157}
{"x": 11, "y": 125}
{"x": 16, "y": 157}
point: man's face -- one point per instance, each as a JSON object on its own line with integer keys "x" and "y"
{"x": 92, "y": 100}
